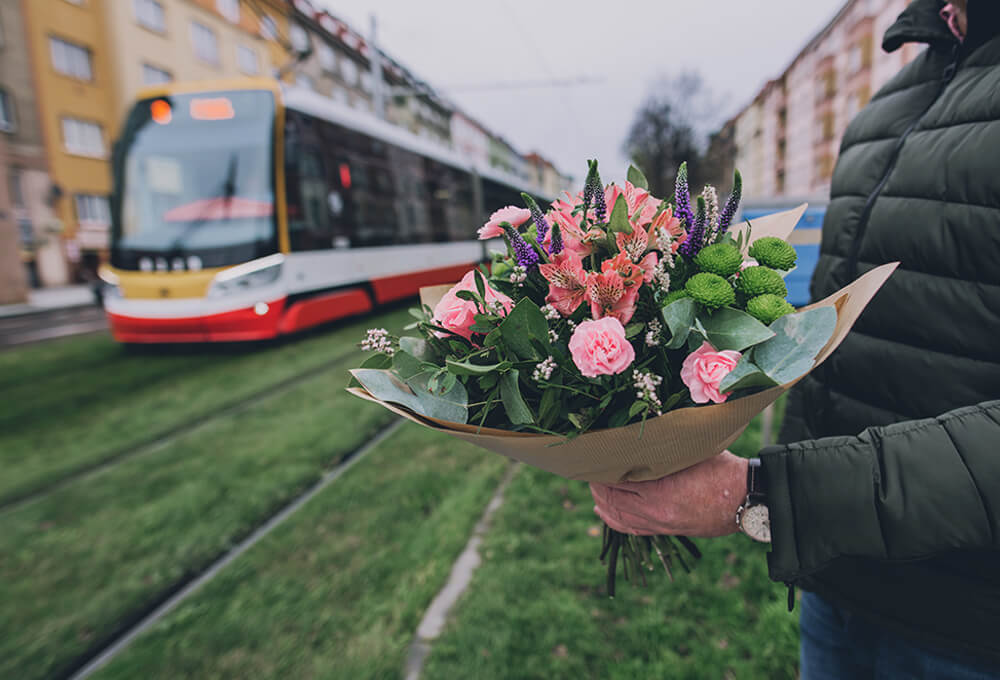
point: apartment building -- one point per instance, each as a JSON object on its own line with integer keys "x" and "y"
{"x": 787, "y": 138}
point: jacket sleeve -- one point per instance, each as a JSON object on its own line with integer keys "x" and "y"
{"x": 900, "y": 492}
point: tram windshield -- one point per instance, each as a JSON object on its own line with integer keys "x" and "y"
{"x": 194, "y": 182}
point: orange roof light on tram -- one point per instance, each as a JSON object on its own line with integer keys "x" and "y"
{"x": 160, "y": 111}
{"x": 215, "y": 108}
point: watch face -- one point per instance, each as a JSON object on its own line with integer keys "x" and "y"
{"x": 756, "y": 523}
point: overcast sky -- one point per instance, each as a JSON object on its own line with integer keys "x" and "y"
{"x": 457, "y": 45}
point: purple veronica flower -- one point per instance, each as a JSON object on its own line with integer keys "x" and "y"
{"x": 523, "y": 252}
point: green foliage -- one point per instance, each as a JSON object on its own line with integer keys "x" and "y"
{"x": 636, "y": 178}
{"x": 771, "y": 251}
{"x": 760, "y": 280}
{"x": 416, "y": 394}
{"x": 732, "y": 329}
{"x": 618, "y": 222}
{"x": 723, "y": 259}
{"x": 524, "y": 323}
{"x": 513, "y": 403}
{"x": 768, "y": 308}
{"x": 679, "y": 316}
{"x": 710, "y": 290}
{"x": 798, "y": 339}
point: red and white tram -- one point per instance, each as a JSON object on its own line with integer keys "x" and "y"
{"x": 246, "y": 210}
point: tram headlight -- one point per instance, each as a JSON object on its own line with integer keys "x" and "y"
{"x": 246, "y": 277}
{"x": 110, "y": 287}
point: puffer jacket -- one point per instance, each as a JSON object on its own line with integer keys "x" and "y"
{"x": 885, "y": 497}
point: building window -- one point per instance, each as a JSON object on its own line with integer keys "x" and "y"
{"x": 153, "y": 75}
{"x": 299, "y": 38}
{"x": 327, "y": 59}
{"x": 302, "y": 80}
{"x": 229, "y": 9}
{"x": 7, "y": 122}
{"x": 366, "y": 81}
{"x": 206, "y": 45}
{"x": 70, "y": 59}
{"x": 248, "y": 60}
{"x": 349, "y": 70}
{"x": 83, "y": 137}
{"x": 92, "y": 209}
{"x": 268, "y": 28}
{"x": 149, "y": 13}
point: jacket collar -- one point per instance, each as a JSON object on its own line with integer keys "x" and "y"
{"x": 921, "y": 22}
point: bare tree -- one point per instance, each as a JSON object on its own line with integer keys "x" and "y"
{"x": 671, "y": 127}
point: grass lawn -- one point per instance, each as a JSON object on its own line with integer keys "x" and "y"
{"x": 537, "y": 607}
{"x": 338, "y": 590}
{"x": 93, "y": 399}
{"x": 78, "y": 564}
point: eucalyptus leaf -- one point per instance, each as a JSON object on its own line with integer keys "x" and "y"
{"x": 418, "y": 347}
{"x": 387, "y": 386}
{"x": 746, "y": 374}
{"x": 679, "y": 315}
{"x": 513, "y": 403}
{"x": 469, "y": 368}
{"x": 524, "y": 323}
{"x": 451, "y": 405}
{"x": 406, "y": 365}
{"x": 633, "y": 329}
{"x": 798, "y": 338}
{"x": 636, "y": 178}
{"x": 732, "y": 329}
{"x": 619, "y": 217}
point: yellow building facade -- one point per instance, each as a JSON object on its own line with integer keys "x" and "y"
{"x": 90, "y": 57}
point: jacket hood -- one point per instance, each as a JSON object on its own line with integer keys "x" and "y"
{"x": 921, "y": 22}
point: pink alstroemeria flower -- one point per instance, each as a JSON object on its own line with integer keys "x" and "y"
{"x": 671, "y": 225}
{"x": 516, "y": 216}
{"x": 641, "y": 205}
{"x": 635, "y": 244}
{"x": 610, "y": 296}
{"x": 573, "y": 237}
{"x": 567, "y": 282}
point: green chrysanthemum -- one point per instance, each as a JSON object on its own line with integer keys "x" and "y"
{"x": 674, "y": 296}
{"x": 771, "y": 251}
{"x": 754, "y": 281}
{"x": 768, "y": 308}
{"x": 711, "y": 290}
{"x": 723, "y": 259}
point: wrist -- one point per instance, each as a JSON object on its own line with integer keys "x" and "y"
{"x": 753, "y": 516}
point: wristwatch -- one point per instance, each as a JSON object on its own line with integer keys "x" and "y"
{"x": 752, "y": 517}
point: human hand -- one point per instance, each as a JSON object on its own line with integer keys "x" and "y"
{"x": 699, "y": 501}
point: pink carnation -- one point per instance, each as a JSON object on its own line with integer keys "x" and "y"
{"x": 704, "y": 369}
{"x": 601, "y": 348}
{"x": 457, "y": 315}
{"x": 516, "y": 216}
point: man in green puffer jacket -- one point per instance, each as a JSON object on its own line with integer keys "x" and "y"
{"x": 886, "y": 506}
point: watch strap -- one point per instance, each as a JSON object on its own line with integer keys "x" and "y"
{"x": 755, "y": 482}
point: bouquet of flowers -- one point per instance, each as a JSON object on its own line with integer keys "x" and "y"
{"x": 619, "y": 337}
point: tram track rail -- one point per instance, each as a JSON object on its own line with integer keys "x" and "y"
{"x": 165, "y": 437}
{"x": 103, "y": 651}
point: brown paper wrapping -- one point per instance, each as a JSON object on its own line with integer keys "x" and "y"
{"x": 668, "y": 443}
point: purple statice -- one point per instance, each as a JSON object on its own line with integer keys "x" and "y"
{"x": 726, "y": 218}
{"x": 556, "y": 246}
{"x": 523, "y": 252}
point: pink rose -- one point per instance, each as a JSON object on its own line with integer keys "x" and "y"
{"x": 516, "y": 216}
{"x": 704, "y": 369}
{"x": 601, "y": 348}
{"x": 456, "y": 314}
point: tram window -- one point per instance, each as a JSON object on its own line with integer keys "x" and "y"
{"x": 308, "y": 200}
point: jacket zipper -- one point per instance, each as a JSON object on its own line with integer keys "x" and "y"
{"x": 852, "y": 258}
